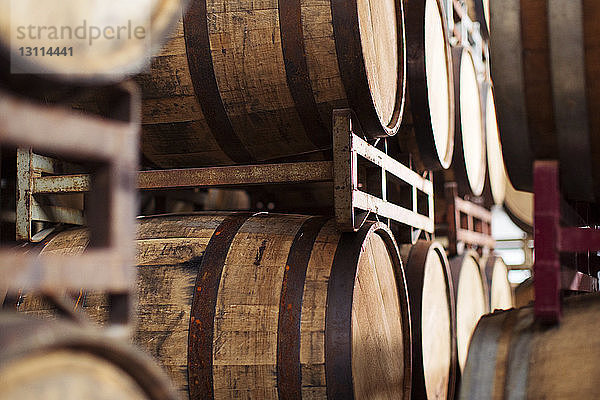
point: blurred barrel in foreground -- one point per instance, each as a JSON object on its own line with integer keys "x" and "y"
{"x": 500, "y": 291}
{"x": 47, "y": 359}
{"x": 128, "y": 34}
{"x": 240, "y": 83}
{"x": 261, "y": 306}
{"x": 471, "y": 300}
{"x": 545, "y": 65}
{"x": 512, "y": 356}
{"x": 431, "y": 300}
{"x": 469, "y": 162}
{"x": 427, "y": 131}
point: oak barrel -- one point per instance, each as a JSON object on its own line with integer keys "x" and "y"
{"x": 56, "y": 360}
{"x": 500, "y": 291}
{"x": 469, "y": 162}
{"x": 524, "y": 293}
{"x": 471, "y": 299}
{"x": 427, "y": 130}
{"x": 431, "y": 299}
{"x": 268, "y": 306}
{"x": 545, "y": 63}
{"x": 519, "y": 207}
{"x": 513, "y": 357}
{"x": 242, "y": 82}
{"x": 495, "y": 186}
{"x": 105, "y": 61}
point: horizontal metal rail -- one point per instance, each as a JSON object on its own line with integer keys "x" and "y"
{"x": 352, "y": 202}
{"x": 238, "y": 175}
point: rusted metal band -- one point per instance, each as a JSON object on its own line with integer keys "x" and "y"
{"x": 506, "y": 49}
{"x": 459, "y": 166}
{"x": 202, "y": 314}
{"x": 338, "y": 316}
{"x": 418, "y": 85}
{"x": 352, "y": 68}
{"x": 479, "y": 374}
{"x": 459, "y": 162}
{"x": 296, "y": 70}
{"x": 289, "y": 374}
{"x": 197, "y": 43}
{"x": 415, "y": 275}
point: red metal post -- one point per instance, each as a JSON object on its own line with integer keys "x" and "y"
{"x": 546, "y": 222}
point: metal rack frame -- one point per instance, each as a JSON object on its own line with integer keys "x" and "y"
{"x": 552, "y": 238}
{"x": 468, "y": 223}
{"x": 468, "y": 33}
{"x": 354, "y": 199}
{"x": 109, "y": 146}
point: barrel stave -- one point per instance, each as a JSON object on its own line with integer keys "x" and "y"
{"x": 260, "y": 81}
{"x": 239, "y": 305}
{"x": 526, "y": 354}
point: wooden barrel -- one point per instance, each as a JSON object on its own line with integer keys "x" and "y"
{"x": 266, "y": 306}
{"x": 496, "y": 275}
{"x": 106, "y": 61}
{"x": 469, "y": 163}
{"x": 512, "y": 356}
{"x": 545, "y": 57}
{"x": 519, "y": 207}
{"x": 55, "y": 360}
{"x": 496, "y": 172}
{"x": 427, "y": 131}
{"x": 524, "y": 293}
{"x": 240, "y": 83}
{"x": 431, "y": 299}
{"x": 471, "y": 300}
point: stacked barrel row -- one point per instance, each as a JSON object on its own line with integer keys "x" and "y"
{"x": 284, "y": 306}
{"x": 58, "y": 359}
{"x": 242, "y": 83}
{"x": 545, "y": 60}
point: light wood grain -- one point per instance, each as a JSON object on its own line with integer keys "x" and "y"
{"x": 107, "y": 59}
{"x": 471, "y": 123}
{"x": 436, "y": 328}
{"x": 537, "y": 361}
{"x": 254, "y": 86}
{"x": 246, "y": 319}
{"x": 501, "y": 296}
{"x": 379, "y": 40}
{"x": 66, "y": 374}
{"x": 519, "y": 204}
{"x": 377, "y": 342}
{"x": 495, "y": 161}
{"x": 438, "y": 83}
{"x": 471, "y": 304}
